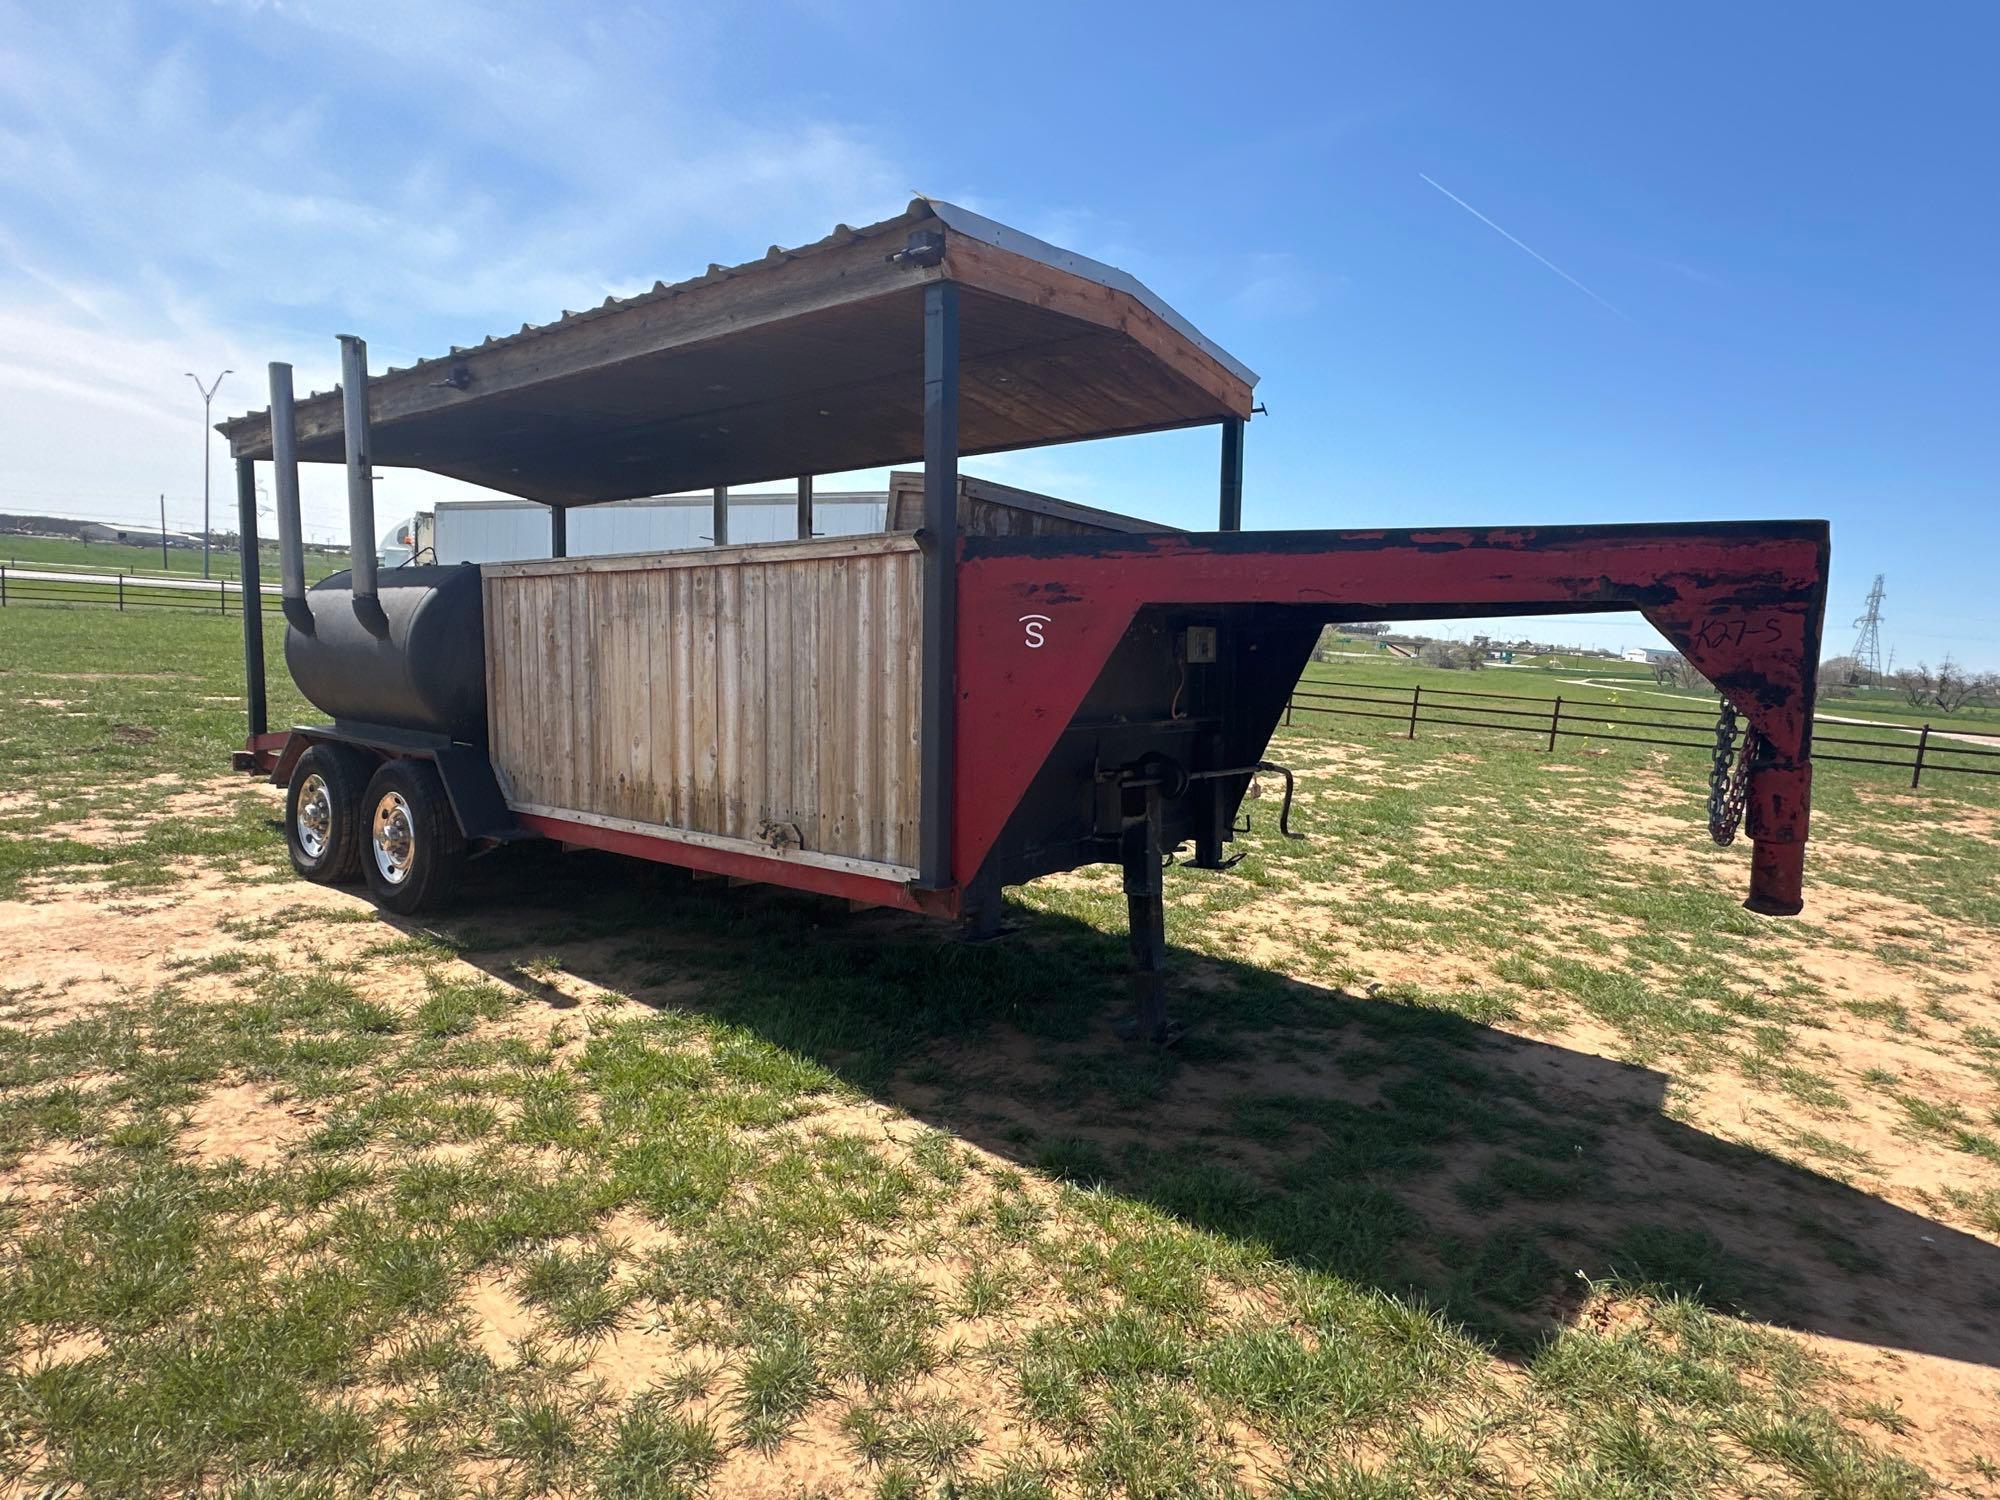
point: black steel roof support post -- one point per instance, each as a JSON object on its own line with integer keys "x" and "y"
{"x": 1231, "y": 518}
{"x": 249, "y": 576}
{"x": 940, "y": 536}
{"x": 558, "y": 531}
{"x": 805, "y": 507}
{"x": 720, "y": 521}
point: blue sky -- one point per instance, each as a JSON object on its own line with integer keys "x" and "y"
{"x": 1793, "y": 226}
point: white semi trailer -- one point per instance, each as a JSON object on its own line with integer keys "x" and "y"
{"x": 483, "y": 531}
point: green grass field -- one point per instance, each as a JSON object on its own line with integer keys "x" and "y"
{"x": 110, "y": 557}
{"x": 1505, "y": 1154}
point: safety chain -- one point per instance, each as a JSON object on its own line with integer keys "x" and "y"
{"x": 1729, "y": 785}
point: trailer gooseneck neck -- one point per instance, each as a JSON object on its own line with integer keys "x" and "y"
{"x": 1003, "y": 686}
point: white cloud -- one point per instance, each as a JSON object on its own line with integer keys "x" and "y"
{"x": 216, "y": 185}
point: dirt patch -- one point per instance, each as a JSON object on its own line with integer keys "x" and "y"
{"x": 196, "y": 805}
{"x": 81, "y": 958}
{"x": 1950, "y": 1408}
{"x": 630, "y": 1360}
{"x": 815, "y": 1459}
{"x": 61, "y": 1349}
{"x": 244, "y": 1123}
{"x": 501, "y": 1322}
{"x": 42, "y": 1176}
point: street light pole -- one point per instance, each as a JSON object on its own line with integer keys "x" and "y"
{"x": 207, "y": 442}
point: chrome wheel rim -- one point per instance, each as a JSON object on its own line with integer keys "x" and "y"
{"x": 313, "y": 822}
{"x": 392, "y": 838}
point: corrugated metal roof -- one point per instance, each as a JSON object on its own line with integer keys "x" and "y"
{"x": 960, "y": 220}
{"x": 976, "y": 226}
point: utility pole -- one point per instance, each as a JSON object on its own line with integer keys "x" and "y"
{"x": 207, "y": 442}
{"x": 164, "y": 568}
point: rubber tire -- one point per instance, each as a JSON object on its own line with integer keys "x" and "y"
{"x": 345, "y": 772}
{"x": 438, "y": 848}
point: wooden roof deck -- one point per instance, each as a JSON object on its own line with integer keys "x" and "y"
{"x": 809, "y": 361}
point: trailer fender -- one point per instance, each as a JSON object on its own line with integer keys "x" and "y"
{"x": 469, "y": 783}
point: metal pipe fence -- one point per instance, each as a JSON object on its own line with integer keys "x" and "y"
{"x": 209, "y": 596}
{"x": 1551, "y": 719}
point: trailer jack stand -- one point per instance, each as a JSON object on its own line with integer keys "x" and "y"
{"x": 1145, "y": 917}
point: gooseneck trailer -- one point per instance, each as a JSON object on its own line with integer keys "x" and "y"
{"x": 999, "y": 686}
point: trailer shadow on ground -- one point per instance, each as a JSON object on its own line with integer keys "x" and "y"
{"x": 1399, "y": 1144}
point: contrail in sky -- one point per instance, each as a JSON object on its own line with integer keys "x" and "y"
{"x": 1529, "y": 248}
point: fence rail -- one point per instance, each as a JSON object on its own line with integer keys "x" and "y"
{"x": 209, "y": 596}
{"x": 1551, "y": 719}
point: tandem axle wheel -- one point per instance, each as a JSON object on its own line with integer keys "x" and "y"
{"x": 348, "y": 816}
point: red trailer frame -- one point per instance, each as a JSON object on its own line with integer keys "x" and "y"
{"x": 1084, "y": 698}
{"x": 1039, "y": 618}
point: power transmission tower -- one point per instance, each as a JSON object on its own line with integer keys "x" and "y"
{"x": 1868, "y": 643}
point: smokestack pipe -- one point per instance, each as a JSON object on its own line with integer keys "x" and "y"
{"x": 360, "y": 471}
{"x": 285, "y": 477}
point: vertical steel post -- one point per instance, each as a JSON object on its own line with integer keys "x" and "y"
{"x": 121, "y": 593}
{"x": 1917, "y": 772}
{"x": 1140, "y": 850}
{"x": 249, "y": 573}
{"x": 558, "y": 531}
{"x": 1232, "y": 476}
{"x": 805, "y": 526}
{"x": 940, "y": 541}
{"x": 360, "y": 466}
{"x": 1415, "y": 694}
{"x": 285, "y": 488}
{"x": 1555, "y": 719}
{"x": 719, "y": 524}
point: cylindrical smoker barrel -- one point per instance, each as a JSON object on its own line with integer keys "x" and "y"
{"x": 425, "y": 672}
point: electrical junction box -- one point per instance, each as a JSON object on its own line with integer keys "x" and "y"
{"x": 1200, "y": 645}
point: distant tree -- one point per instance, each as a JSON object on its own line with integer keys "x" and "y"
{"x": 1675, "y": 670}
{"x": 1844, "y": 671}
{"x": 1947, "y": 687}
{"x": 1953, "y": 687}
{"x": 1453, "y": 656}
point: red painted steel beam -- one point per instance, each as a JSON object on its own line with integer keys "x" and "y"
{"x": 261, "y": 752}
{"x": 1039, "y": 617}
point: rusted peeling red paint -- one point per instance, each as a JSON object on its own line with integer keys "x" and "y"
{"x": 1743, "y": 600}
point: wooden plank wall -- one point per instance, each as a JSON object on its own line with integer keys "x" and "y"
{"x": 989, "y": 509}
{"x": 716, "y": 692}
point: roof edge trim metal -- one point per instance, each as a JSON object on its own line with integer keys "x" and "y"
{"x": 1017, "y": 242}
{"x": 955, "y": 219}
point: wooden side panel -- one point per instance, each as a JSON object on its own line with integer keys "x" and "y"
{"x": 739, "y": 695}
{"x": 989, "y": 509}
